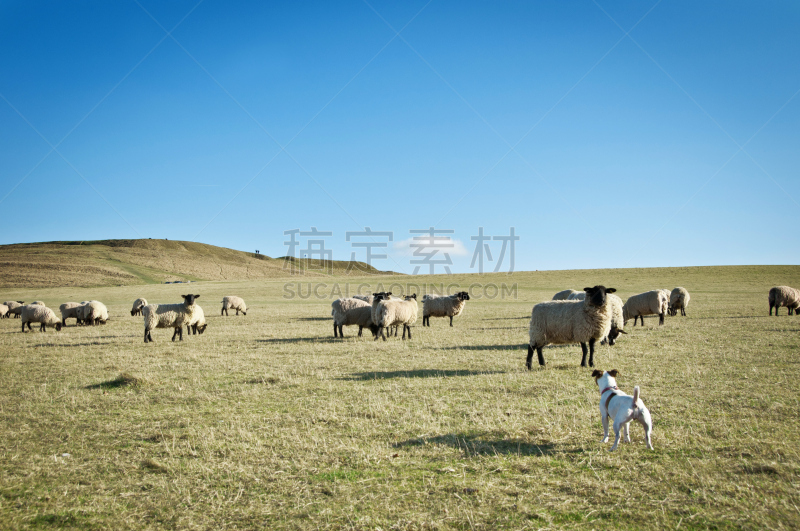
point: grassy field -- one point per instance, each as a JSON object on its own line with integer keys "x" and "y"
{"x": 266, "y": 421}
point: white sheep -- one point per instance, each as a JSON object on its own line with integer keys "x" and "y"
{"x": 232, "y": 302}
{"x": 349, "y": 312}
{"x": 366, "y": 298}
{"x": 198, "y": 323}
{"x": 169, "y": 316}
{"x": 577, "y": 296}
{"x": 92, "y": 313}
{"x": 38, "y": 313}
{"x": 655, "y": 302}
{"x": 138, "y": 304}
{"x": 564, "y": 295}
{"x": 14, "y": 307}
{"x": 438, "y": 306}
{"x": 39, "y": 303}
{"x": 4, "y": 312}
{"x": 784, "y": 296}
{"x": 617, "y": 321}
{"x": 678, "y": 300}
{"x": 393, "y": 312}
{"x": 70, "y": 310}
{"x": 562, "y": 322}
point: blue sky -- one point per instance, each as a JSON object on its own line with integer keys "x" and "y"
{"x": 608, "y": 134}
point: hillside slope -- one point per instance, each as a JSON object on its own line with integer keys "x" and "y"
{"x": 126, "y": 262}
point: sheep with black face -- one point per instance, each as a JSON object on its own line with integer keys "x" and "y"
{"x": 563, "y": 322}
{"x": 450, "y": 306}
{"x": 174, "y": 316}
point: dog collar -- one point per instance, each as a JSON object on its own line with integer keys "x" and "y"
{"x": 614, "y": 388}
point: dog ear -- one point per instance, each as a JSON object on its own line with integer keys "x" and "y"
{"x": 596, "y": 374}
{"x": 613, "y": 373}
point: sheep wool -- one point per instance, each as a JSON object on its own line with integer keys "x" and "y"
{"x": 577, "y": 296}
{"x": 395, "y": 312}
{"x": 366, "y": 298}
{"x": 174, "y": 316}
{"x": 93, "y": 313}
{"x": 14, "y": 307}
{"x": 138, "y": 304}
{"x": 450, "y": 306}
{"x": 232, "y": 302}
{"x": 562, "y": 322}
{"x": 564, "y": 295}
{"x": 3, "y": 311}
{"x": 38, "y": 313}
{"x": 654, "y": 302}
{"x": 678, "y": 300}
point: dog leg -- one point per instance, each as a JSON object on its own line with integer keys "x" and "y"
{"x": 626, "y": 429}
{"x": 605, "y": 426}
{"x": 647, "y": 422}
{"x": 617, "y": 430}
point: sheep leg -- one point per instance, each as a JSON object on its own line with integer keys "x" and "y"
{"x": 585, "y": 351}
{"x": 591, "y": 352}
{"x": 770, "y": 309}
{"x": 530, "y": 358}
{"x": 395, "y": 330}
{"x": 360, "y": 329}
{"x": 660, "y": 319}
{"x": 404, "y": 332}
{"x": 146, "y": 334}
{"x": 23, "y": 328}
{"x": 335, "y": 330}
{"x": 341, "y": 331}
{"x": 43, "y": 328}
{"x": 64, "y": 321}
{"x": 451, "y": 320}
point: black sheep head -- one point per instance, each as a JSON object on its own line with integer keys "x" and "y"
{"x": 189, "y": 299}
{"x": 596, "y": 296}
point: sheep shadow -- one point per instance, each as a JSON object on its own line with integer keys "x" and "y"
{"x": 123, "y": 380}
{"x": 418, "y": 373}
{"x": 505, "y": 318}
{"x": 313, "y": 318}
{"x": 484, "y": 347}
{"x": 299, "y": 340}
{"x": 473, "y": 445}
{"x": 500, "y": 328}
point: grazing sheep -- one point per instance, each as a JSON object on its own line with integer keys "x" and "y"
{"x": 451, "y": 306}
{"x": 352, "y": 311}
{"x": 393, "y": 312}
{"x": 678, "y": 300}
{"x": 231, "y": 302}
{"x": 561, "y": 322}
{"x": 14, "y": 307}
{"x": 198, "y": 323}
{"x": 169, "y": 316}
{"x": 38, "y": 313}
{"x": 577, "y": 296}
{"x": 71, "y": 310}
{"x": 784, "y": 296}
{"x": 4, "y": 312}
{"x": 653, "y": 302}
{"x": 138, "y": 304}
{"x": 617, "y": 322}
{"x": 564, "y": 295}
{"x": 93, "y": 313}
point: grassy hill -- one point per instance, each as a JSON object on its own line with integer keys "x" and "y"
{"x": 129, "y": 262}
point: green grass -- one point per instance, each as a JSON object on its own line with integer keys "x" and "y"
{"x": 267, "y": 421}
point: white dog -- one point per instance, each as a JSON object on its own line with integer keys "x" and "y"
{"x": 621, "y": 407}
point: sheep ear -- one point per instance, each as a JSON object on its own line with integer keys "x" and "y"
{"x": 611, "y": 290}
{"x": 587, "y": 289}
{"x": 596, "y": 374}
{"x": 613, "y": 373}
{"x": 621, "y": 331}
{"x": 184, "y": 296}
{"x": 197, "y": 296}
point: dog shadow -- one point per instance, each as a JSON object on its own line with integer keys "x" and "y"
{"x": 473, "y": 445}
{"x": 419, "y": 373}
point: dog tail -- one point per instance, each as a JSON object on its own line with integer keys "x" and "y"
{"x": 636, "y": 402}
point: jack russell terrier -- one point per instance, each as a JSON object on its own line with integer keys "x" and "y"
{"x": 621, "y": 407}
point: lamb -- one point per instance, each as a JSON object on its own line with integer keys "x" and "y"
{"x": 71, "y": 310}
{"x": 617, "y": 322}
{"x": 394, "y": 312}
{"x": 138, "y": 304}
{"x": 38, "y": 313}
{"x": 4, "y": 311}
{"x": 784, "y": 296}
{"x": 169, "y": 316}
{"x": 14, "y": 307}
{"x": 231, "y": 302}
{"x": 451, "y": 306}
{"x": 352, "y": 311}
{"x": 198, "y": 323}
{"x": 564, "y": 295}
{"x": 561, "y": 322}
{"x": 678, "y": 300}
{"x": 653, "y": 302}
{"x": 577, "y": 296}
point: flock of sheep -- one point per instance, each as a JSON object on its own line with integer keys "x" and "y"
{"x": 571, "y": 317}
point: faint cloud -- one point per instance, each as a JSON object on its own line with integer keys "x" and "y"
{"x": 404, "y": 247}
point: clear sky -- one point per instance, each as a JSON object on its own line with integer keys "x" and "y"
{"x": 607, "y": 134}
